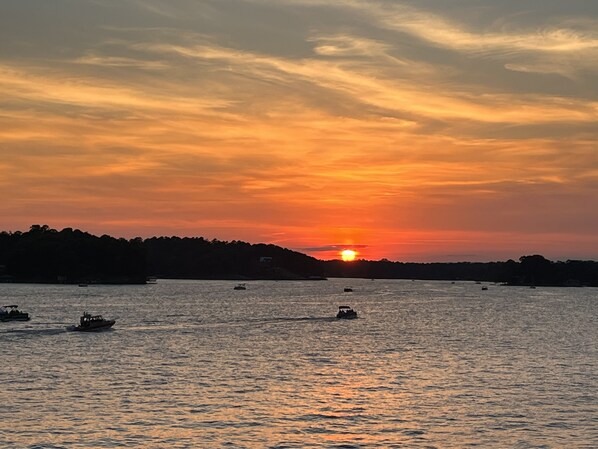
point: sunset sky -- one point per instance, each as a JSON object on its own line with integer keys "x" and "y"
{"x": 422, "y": 130}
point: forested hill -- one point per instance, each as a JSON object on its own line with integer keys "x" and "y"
{"x": 43, "y": 254}
{"x": 198, "y": 258}
{"x": 70, "y": 256}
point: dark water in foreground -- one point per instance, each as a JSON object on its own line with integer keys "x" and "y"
{"x": 193, "y": 364}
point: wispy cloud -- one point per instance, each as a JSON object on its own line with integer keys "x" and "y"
{"x": 390, "y": 95}
{"x": 327, "y": 248}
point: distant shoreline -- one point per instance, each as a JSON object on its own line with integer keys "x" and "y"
{"x": 47, "y": 256}
{"x": 237, "y": 279}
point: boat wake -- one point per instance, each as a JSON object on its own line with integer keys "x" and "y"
{"x": 279, "y": 320}
{"x": 33, "y": 332}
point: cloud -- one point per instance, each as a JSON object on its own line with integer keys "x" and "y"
{"x": 93, "y": 93}
{"x": 327, "y": 248}
{"x": 348, "y": 46}
{"x": 389, "y": 95}
{"x": 117, "y": 61}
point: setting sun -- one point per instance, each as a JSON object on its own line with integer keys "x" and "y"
{"x": 348, "y": 255}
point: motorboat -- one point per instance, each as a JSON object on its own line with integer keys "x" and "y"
{"x": 240, "y": 287}
{"x": 484, "y": 288}
{"x": 89, "y": 322}
{"x": 346, "y": 312}
{"x": 12, "y": 313}
{"x": 348, "y": 289}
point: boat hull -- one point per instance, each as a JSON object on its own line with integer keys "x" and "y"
{"x": 94, "y": 327}
{"x": 24, "y": 317}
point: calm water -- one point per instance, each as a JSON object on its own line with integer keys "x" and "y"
{"x": 195, "y": 364}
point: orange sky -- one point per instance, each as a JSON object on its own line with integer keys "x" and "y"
{"x": 409, "y": 130}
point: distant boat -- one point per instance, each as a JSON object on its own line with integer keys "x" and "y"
{"x": 348, "y": 289}
{"x": 151, "y": 280}
{"x": 240, "y": 287}
{"x": 89, "y": 323}
{"x": 484, "y": 288}
{"x": 12, "y": 313}
{"x": 346, "y": 312}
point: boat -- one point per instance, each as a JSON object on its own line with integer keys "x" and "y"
{"x": 346, "y": 312}
{"x": 12, "y": 313}
{"x": 89, "y": 322}
{"x": 484, "y": 288}
{"x": 240, "y": 287}
{"x": 348, "y": 289}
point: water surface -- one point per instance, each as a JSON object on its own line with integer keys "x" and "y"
{"x": 196, "y": 364}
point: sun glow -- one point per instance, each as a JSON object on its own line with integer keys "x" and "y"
{"x": 348, "y": 255}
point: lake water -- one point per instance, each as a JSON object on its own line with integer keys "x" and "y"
{"x": 196, "y": 364}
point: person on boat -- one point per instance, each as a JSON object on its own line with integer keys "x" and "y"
{"x": 84, "y": 319}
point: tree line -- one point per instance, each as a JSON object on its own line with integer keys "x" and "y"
{"x": 47, "y": 255}
{"x": 70, "y": 256}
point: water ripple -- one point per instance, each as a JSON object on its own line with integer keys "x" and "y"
{"x": 189, "y": 364}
